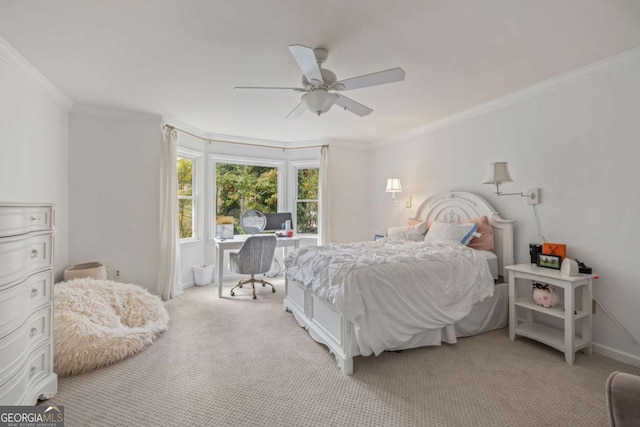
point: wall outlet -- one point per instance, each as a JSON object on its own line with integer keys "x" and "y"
{"x": 116, "y": 275}
{"x": 535, "y": 192}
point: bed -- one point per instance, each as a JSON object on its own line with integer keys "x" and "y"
{"x": 331, "y": 321}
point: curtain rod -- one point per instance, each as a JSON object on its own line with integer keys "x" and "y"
{"x": 244, "y": 143}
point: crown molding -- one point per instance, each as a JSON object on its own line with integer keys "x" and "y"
{"x": 213, "y": 137}
{"x": 615, "y": 62}
{"x": 12, "y": 57}
{"x": 353, "y": 145}
{"x": 114, "y": 113}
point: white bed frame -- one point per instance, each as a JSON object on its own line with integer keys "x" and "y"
{"x": 327, "y": 326}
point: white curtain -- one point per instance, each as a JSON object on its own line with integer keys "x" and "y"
{"x": 324, "y": 233}
{"x": 169, "y": 272}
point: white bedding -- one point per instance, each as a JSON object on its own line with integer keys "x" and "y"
{"x": 492, "y": 261}
{"x": 392, "y": 290}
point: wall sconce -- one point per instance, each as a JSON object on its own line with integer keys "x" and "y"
{"x": 498, "y": 172}
{"x": 395, "y": 186}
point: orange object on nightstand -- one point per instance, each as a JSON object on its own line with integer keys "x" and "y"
{"x": 557, "y": 249}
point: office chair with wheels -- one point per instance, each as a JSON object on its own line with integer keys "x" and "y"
{"x": 254, "y": 257}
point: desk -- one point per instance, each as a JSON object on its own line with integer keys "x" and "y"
{"x": 236, "y": 243}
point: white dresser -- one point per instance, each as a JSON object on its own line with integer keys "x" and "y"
{"x": 26, "y": 310}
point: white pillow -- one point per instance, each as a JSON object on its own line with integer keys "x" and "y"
{"x": 411, "y": 232}
{"x": 440, "y": 232}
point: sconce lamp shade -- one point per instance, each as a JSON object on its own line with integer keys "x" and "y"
{"x": 393, "y": 185}
{"x": 497, "y": 172}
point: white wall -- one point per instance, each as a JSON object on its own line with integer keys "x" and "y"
{"x": 579, "y": 143}
{"x": 114, "y": 176}
{"x": 33, "y": 146}
{"x": 350, "y": 176}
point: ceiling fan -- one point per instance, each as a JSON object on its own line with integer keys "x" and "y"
{"x": 317, "y": 83}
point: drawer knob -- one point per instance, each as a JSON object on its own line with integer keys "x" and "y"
{"x": 32, "y": 372}
{"x": 34, "y": 292}
{"x": 35, "y": 218}
{"x": 33, "y": 332}
{"x": 34, "y": 253}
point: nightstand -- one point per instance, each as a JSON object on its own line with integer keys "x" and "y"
{"x": 521, "y": 309}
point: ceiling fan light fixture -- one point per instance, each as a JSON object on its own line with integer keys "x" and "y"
{"x": 319, "y": 101}
{"x": 318, "y": 81}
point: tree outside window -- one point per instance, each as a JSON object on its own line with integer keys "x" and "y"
{"x": 186, "y": 199}
{"x": 307, "y": 201}
{"x": 241, "y": 187}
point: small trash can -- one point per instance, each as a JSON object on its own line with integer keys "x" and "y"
{"x": 203, "y": 275}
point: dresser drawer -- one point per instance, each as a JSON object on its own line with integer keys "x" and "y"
{"x": 19, "y": 301}
{"x": 38, "y": 366}
{"x": 15, "y": 347}
{"x": 21, "y": 256}
{"x": 16, "y": 220}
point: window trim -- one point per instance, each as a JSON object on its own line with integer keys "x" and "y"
{"x": 250, "y": 161}
{"x": 198, "y": 206}
{"x": 294, "y": 166}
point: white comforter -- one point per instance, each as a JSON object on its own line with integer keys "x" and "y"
{"x": 392, "y": 290}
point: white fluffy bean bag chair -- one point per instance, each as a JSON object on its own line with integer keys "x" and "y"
{"x": 100, "y": 322}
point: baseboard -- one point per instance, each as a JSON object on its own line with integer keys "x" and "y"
{"x": 620, "y": 356}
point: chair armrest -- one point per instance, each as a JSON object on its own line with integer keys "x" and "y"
{"x": 623, "y": 399}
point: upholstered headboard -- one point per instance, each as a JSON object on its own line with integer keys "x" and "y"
{"x": 458, "y": 206}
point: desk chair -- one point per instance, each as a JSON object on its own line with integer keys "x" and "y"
{"x": 254, "y": 257}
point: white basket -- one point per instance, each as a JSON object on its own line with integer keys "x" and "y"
{"x": 203, "y": 275}
{"x": 94, "y": 270}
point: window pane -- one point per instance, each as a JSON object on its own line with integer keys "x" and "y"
{"x": 185, "y": 177}
{"x": 185, "y": 218}
{"x": 243, "y": 187}
{"x": 307, "y": 217}
{"x": 308, "y": 184}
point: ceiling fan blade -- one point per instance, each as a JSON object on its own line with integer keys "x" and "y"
{"x": 307, "y": 62}
{"x": 297, "y": 89}
{"x": 297, "y": 112}
{"x": 373, "y": 79}
{"x": 351, "y": 105}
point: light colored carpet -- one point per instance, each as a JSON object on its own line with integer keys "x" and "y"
{"x": 244, "y": 362}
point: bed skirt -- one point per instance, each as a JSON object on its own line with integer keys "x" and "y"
{"x": 327, "y": 326}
